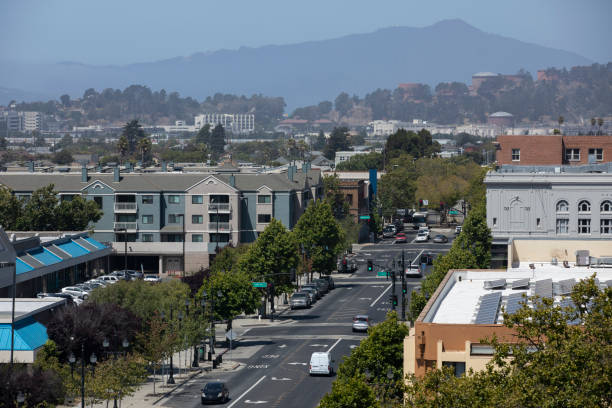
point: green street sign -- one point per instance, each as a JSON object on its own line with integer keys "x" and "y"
{"x": 259, "y": 284}
{"x": 453, "y": 212}
{"x": 364, "y": 217}
{"x": 382, "y": 273}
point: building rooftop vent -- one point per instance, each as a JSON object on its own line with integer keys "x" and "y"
{"x": 495, "y": 284}
{"x": 521, "y": 284}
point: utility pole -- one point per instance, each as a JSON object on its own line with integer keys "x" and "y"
{"x": 403, "y": 272}
{"x": 393, "y": 295}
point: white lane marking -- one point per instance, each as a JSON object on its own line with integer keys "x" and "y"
{"x": 295, "y": 363}
{"x": 381, "y": 295}
{"x": 417, "y": 258}
{"x": 255, "y": 402}
{"x": 334, "y": 345}
{"x": 270, "y": 356}
{"x": 318, "y": 345}
{"x": 280, "y": 379}
{"x": 282, "y": 346}
{"x": 377, "y": 286}
{"x": 365, "y": 298}
{"x": 352, "y": 346}
{"x": 246, "y": 392}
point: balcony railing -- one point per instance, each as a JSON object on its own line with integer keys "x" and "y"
{"x": 129, "y": 226}
{"x": 219, "y": 207}
{"x": 126, "y": 207}
{"x": 222, "y": 226}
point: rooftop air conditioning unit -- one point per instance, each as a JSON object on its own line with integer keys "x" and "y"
{"x": 582, "y": 258}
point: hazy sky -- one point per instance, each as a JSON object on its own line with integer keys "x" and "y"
{"x": 126, "y": 31}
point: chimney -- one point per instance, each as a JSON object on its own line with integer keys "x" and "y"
{"x": 232, "y": 180}
{"x": 164, "y": 166}
{"x": 99, "y": 168}
{"x": 31, "y": 166}
{"x": 116, "y": 176}
{"x": 84, "y": 177}
{"x": 290, "y": 173}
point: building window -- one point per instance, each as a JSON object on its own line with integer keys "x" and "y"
{"x": 197, "y": 199}
{"x": 516, "y": 154}
{"x": 562, "y": 207}
{"x": 263, "y": 218}
{"x": 606, "y": 206}
{"x": 572, "y": 154}
{"x": 584, "y": 206}
{"x": 538, "y": 223}
{"x": 147, "y": 199}
{"x": 147, "y": 237}
{"x": 147, "y": 219}
{"x": 562, "y": 226}
{"x": 457, "y": 367}
{"x": 605, "y": 226}
{"x": 598, "y": 153}
{"x": 175, "y": 218}
{"x": 584, "y": 226}
{"x": 197, "y": 238}
{"x": 98, "y": 201}
{"x": 495, "y": 221}
{"x": 264, "y": 199}
{"x": 219, "y": 237}
{"x": 174, "y": 199}
{"x": 197, "y": 219}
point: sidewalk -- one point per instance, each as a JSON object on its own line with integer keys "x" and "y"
{"x": 184, "y": 373}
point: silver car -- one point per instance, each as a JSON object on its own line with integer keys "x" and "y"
{"x": 361, "y": 323}
{"x": 300, "y": 300}
{"x": 312, "y": 294}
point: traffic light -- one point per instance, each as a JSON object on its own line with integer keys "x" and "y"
{"x": 393, "y": 276}
{"x": 394, "y": 298}
{"x": 370, "y": 265}
{"x": 404, "y": 288}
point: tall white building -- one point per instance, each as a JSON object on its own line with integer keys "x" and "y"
{"x": 236, "y": 122}
{"x": 23, "y": 121}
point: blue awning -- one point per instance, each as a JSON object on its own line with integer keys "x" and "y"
{"x": 44, "y": 256}
{"x": 94, "y": 243}
{"x": 23, "y": 267}
{"x": 73, "y": 249}
{"x": 29, "y": 335}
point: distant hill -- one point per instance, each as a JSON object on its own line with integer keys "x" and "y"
{"x": 309, "y": 72}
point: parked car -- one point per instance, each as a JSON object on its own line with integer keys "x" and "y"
{"x": 323, "y": 283}
{"x": 152, "y": 278}
{"x": 361, "y": 323}
{"x": 458, "y": 229}
{"x": 399, "y": 224}
{"x": 299, "y": 300}
{"x": 400, "y": 238}
{"x": 98, "y": 282}
{"x": 411, "y": 272}
{"x": 109, "y": 279}
{"x": 422, "y": 237}
{"x": 440, "y": 239}
{"x": 69, "y": 298}
{"x": 76, "y": 291}
{"x": 330, "y": 281}
{"x": 321, "y": 363}
{"x": 427, "y": 258}
{"x": 389, "y": 231}
{"x": 311, "y": 292}
{"x": 122, "y": 274}
{"x": 215, "y": 392}
{"x": 134, "y": 274}
{"x": 314, "y": 287}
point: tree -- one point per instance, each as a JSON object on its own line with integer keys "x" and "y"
{"x": 40, "y": 388}
{"x": 362, "y": 162}
{"x": 63, "y": 157}
{"x": 397, "y": 187}
{"x": 64, "y": 142}
{"x": 350, "y": 392}
{"x": 39, "y": 211}
{"x": 65, "y": 100}
{"x": 3, "y": 143}
{"x": 272, "y": 256}
{"x": 156, "y": 343}
{"x": 203, "y": 136}
{"x": 76, "y": 214}
{"x": 319, "y": 142}
{"x": 343, "y": 103}
{"x": 416, "y": 145}
{"x": 338, "y": 141}
{"x": 123, "y": 147}
{"x": 144, "y": 147}
{"x": 10, "y": 209}
{"x": 133, "y": 132}
{"x": 334, "y": 197}
{"x": 217, "y": 141}
{"x": 320, "y": 237}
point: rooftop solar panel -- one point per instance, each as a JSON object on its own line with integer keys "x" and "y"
{"x": 489, "y": 305}
{"x": 543, "y": 288}
{"x": 514, "y": 303}
{"x": 495, "y": 284}
{"x": 520, "y": 284}
{"x": 567, "y": 302}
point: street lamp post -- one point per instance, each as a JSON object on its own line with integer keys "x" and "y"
{"x": 212, "y": 322}
{"x": 124, "y": 230}
{"x": 195, "y": 363}
{"x": 171, "y": 376}
{"x": 72, "y": 359}
{"x": 106, "y": 344}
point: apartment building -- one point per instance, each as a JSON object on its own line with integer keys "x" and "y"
{"x": 23, "y": 121}
{"x": 542, "y": 150}
{"x": 174, "y": 222}
{"x": 234, "y": 122}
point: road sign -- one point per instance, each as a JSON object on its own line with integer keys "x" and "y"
{"x": 259, "y": 284}
{"x": 453, "y": 212}
{"x": 425, "y": 202}
{"x": 381, "y": 273}
{"x": 231, "y": 335}
{"x": 364, "y": 217}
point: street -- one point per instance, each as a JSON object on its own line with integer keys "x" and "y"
{"x": 274, "y": 357}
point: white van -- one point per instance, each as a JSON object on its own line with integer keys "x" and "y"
{"x": 321, "y": 363}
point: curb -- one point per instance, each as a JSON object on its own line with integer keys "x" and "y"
{"x": 167, "y": 394}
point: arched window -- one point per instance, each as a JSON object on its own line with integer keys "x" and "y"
{"x": 584, "y": 206}
{"x": 606, "y": 206}
{"x": 562, "y": 207}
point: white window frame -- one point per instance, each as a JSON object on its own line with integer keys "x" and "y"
{"x": 584, "y": 226}
{"x": 597, "y": 152}
{"x": 562, "y": 226}
{"x": 172, "y": 197}
{"x": 516, "y": 154}
{"x": 584, "y": 203}
{"x": 605, "y": 226}
{"x": 200, "y": 219}
{"x": 561, "y": 203}
{"x": 572, "y": 154}
{"x": 605, "y": 206}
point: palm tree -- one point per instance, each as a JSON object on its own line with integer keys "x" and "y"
{"x": 123, "y": 146}
{"x": 144, "y": 145}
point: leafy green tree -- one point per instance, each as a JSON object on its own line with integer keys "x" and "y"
{"x": 39, "y": 211}
{"x": 343, "y": 103}
{"x": 334, "y": 197}
{"x": 144, "y": 147}
{"x": 217, "y": 141}
{"x": 64, "y": 142}
{"x": 320, "y": 236}
{"x": 63, "y": 157}
{"x": 319, "y": 142}
{"x": 133, "y": 132}
{"x": 338, "y": 141}
{"x": 3, "y": 143}
{"x": 397, "y": 187}
{"x": 11, "y": 209}
{"x": 156, "y": 344}
{"x": 416, "y": 145}
{"x": 123, "y": 146}
{"x": 271, "y": 256}
{"x": 350, "y": 392}
{"x": 76, "y": 214}
{"x": 362, "y": 162}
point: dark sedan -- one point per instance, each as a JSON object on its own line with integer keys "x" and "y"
{"x": 440, "y": 239}
{"x": 215, "y": 392}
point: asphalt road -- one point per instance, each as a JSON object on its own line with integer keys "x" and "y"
{"x": 275, "y": 358}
